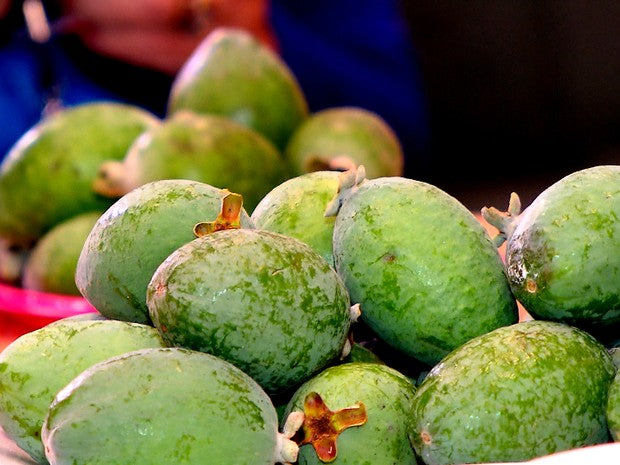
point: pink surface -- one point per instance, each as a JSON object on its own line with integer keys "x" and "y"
{"x": 18, "y": 301}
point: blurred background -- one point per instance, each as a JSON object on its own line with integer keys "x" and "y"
{"x": 487, "y": 97}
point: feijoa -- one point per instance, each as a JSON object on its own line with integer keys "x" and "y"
{"x": 34, "y": 367}
{"x": 47, "y": 175}
{"x": 161, "y": 407}
{"x": 422, "y": 267}
{"x": 131, "y": 239}
{"x": 264, "y": 301}
{"x": 563, "y": 250}
{"x": 515, "y": 393}
{"x": 387, "y": 397}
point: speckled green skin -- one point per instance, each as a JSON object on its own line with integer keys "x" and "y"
{"x": 388, "y": 398}
{"x": 612, "y": 410}
{"x": 161, "y": 407}
{"x": 516, "y": 393}
{"x": 207, "y": 148}
{"x": 351, "y": 132}
{"x": 567, "y": 242}
{"x": 266, "y": 302}
{"x": 421, "y": 266}
{"x": 51, "y": 265}
{"x": 133, "y": 237}
{"x": 38, "y": 364}
{"x": 296, "y": 208}
{"x": 233, "y": 74}
{"x": 47, "y": 175}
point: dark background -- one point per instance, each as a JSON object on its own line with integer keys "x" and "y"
{"x": 519, "y": 93}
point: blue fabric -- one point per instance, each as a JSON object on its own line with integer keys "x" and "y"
{"x": 356, "y": 53}
{"x": 22, "y": 94}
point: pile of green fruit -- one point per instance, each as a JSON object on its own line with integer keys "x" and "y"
{"x": 343, "y": 316}
{"x": 237, "y": 119}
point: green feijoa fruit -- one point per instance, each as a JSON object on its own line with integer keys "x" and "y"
{"x": 343, "y": 138}
{"x": 47, "y": 175}
{"x": 212, "y": 149}
{"x": 136, "y": 234}
{"x": 612, "y": 409}
{"x": 296, "y": 208}
{"x": 34, "y": 367}
{"x": 266, "y": 302}
{"x": 51, "y": 265}
{"x": 518, "y": 392}
{"x": 232, "y": 74}
{"x": 383, "y": 438}
{"x": 563, "y": 250}
{"x": 423, "y": 269}
{"x": 164, "y": 406}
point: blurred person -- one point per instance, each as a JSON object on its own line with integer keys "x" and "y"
{"x": 343, "y": 53}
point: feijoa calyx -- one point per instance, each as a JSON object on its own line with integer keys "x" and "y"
{"x": 131, "y": 239}
{"x": 265, "y": 302}
{"x": 515, "y": 393}
{"x": 164, "y": 406}
{"x": 38, "y": 364}
{"x": 421, "y": 266}
{"x": 563, "y": 250}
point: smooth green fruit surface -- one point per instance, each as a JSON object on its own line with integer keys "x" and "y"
{"x": 388, "y": 398}
{"x": 46, "y": 177}
{"x": 516, "y": 393}
{"x": 161, "y": 407}
{"x": 423, "y": 269}
{"x": 296, "y": 208}
{"x": 266, "y": 302}
{"x": 233, "y": 74}
{"x": 38, "y": 364}
{"x": 133, "y": 237}
{"x": 343, "y": 138}
{"x": 563, "y": 257}
{"x": 53, "y": 260}
{"x": 208, "y": 148}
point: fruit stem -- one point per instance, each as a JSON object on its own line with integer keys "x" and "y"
{"x": 348, "y": 182}
{"x": 505, "y": 222}
{"x": 287, "y": 450}
{"x": 228, "y": 218}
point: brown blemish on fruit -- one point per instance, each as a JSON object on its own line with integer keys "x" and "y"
{"x": 322, "y": 426}
{"x": 530, "y": 286}
{"x": 160, "y": 289}
{"x": 426, "y": 437}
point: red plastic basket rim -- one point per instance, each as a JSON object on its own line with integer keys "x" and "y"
{"x": 25, "y": 302}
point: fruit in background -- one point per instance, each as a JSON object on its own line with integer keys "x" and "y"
{"x": 207, "y": 148}
{"x": 164, "y": 406}
{"x": 563, "y": 250}
{"x": 51, "y": 265}
{"x": 47, "y": 175}
{"x": 232, "y": 74}
{"x": 296, "y": 208}
{"x": 387, "y": 396}
{"x": 38, "y": 364}
{"x": 343, "y": 138}
{"x": 422, "y": 267}
{"x": 136, "y": 234}
{"x": 265, "y": 302}
{"x": 612, "y": 409}
{"x": 515, "y": 393}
